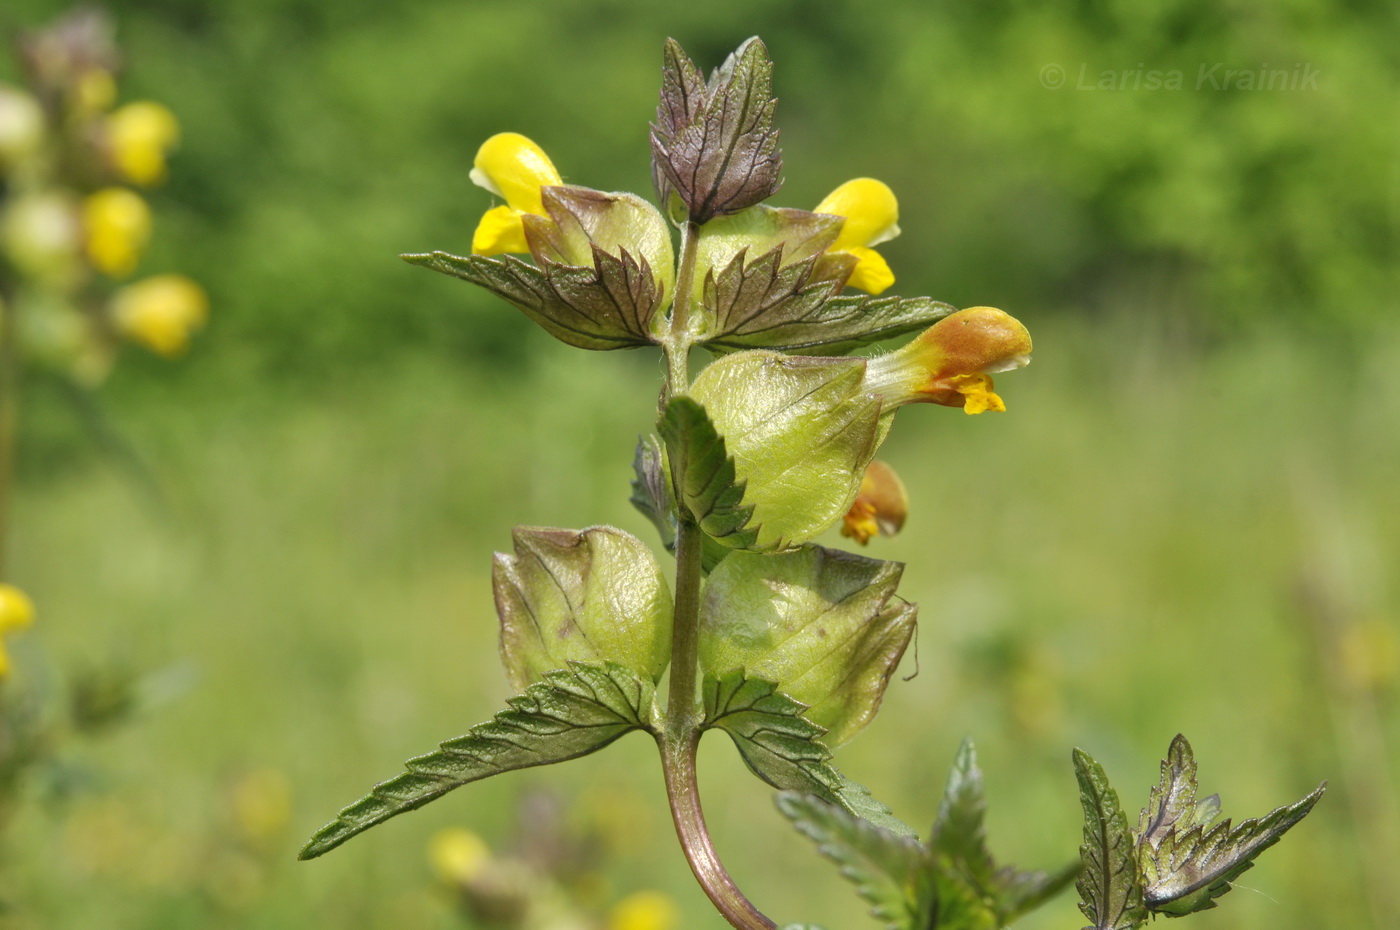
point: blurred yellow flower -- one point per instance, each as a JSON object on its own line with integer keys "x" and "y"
{"x": 1369, "y": 655}
{"x": 261, "y": 802}
{"x": 118, "y": 225}
{"x": 139, "y": 135}
{"x": 16, "y": 613}
{"x": 514, "y": 168}
{"x": 457, "y": 855}
{"x": 160, "y": 312}
{"x": 872, "y": 216}
{"x": 645, "y": 910}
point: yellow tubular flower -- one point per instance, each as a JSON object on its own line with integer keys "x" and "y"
{"x": 872, "y": 216}
{"x": 118, "y": 225}
{"x": 138, "y": 137}
{"x": 160, "y": 312}
{"x": 16, "y": 613}
{"x": 950, "y": 362}
{"x": 880, "y": 508}
{"x": 514, "y": 168}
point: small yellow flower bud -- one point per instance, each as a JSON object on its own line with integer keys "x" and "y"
{"x": 880, "y": 507}
{"x": 872, "y": 216}
{"x": 645, "y": 910}
{"x": 512, "y": 167}
{"x": 457, "y": 856}
{"x": 16, "y": 613}
{"x": 139, "y": 135}
{"x": 949, "y": 362}
{"x": 160, "y": 312}
{"x": 118, "y": 225}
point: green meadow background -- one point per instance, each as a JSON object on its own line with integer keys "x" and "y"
{"x": 1188, "y": 520}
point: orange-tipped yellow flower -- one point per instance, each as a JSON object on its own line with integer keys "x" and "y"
{"x": 880, "y": 507}
{"x": 951, "y": 362}
{"x": 16, "y": 613}
{"x": 160, "y": 312}
{"x": 139, "y": 136}
{"x": 118, "y": 225}
{"x": 872, "y": 216}
{"x": 514, "y": 168}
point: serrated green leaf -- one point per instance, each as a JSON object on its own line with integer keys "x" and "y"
{"x": 819, "y": 622}
{"x": 1172, "y": 800}
{"x": 783, "y": 748}
{"x": 707, "y": 483}
{"x": 890, "y": 872}
{"x": 1109, "y": 891}
{"x": 571, "y": 713}
{"x": 959, "y": 841}
{"x": 1017, "y": 893}
{"x": 960, "y": 905}
{"x": 608, "y": 306}
{"x": 1186, "y": 864}
{"x": 800, "y": 430}
{"x": 960, "y": 831}
{"x": 835, "y": 325}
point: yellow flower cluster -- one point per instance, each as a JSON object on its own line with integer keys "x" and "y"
{"x": 514, "y": 168}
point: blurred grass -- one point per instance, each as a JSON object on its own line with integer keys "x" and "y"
{"x": 1114, "y": 560}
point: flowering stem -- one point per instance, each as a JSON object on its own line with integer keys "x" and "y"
{"x": 678, "y": 345}
{"x": 681, "y": 735}
{"x": 678, "y": 762}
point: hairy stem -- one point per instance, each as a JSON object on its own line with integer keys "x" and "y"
{"x": 678, "y": 761}
{"x": 681, "y": 734}
{"x": 678, "y": 345}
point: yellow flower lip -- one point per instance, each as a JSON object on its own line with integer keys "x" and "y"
{"x": 870, "y": 209}
{"x": 512, "y": 167}
{"x": 871, "y": 214}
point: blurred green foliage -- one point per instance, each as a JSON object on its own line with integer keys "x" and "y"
{"x": 352, "y": 437}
